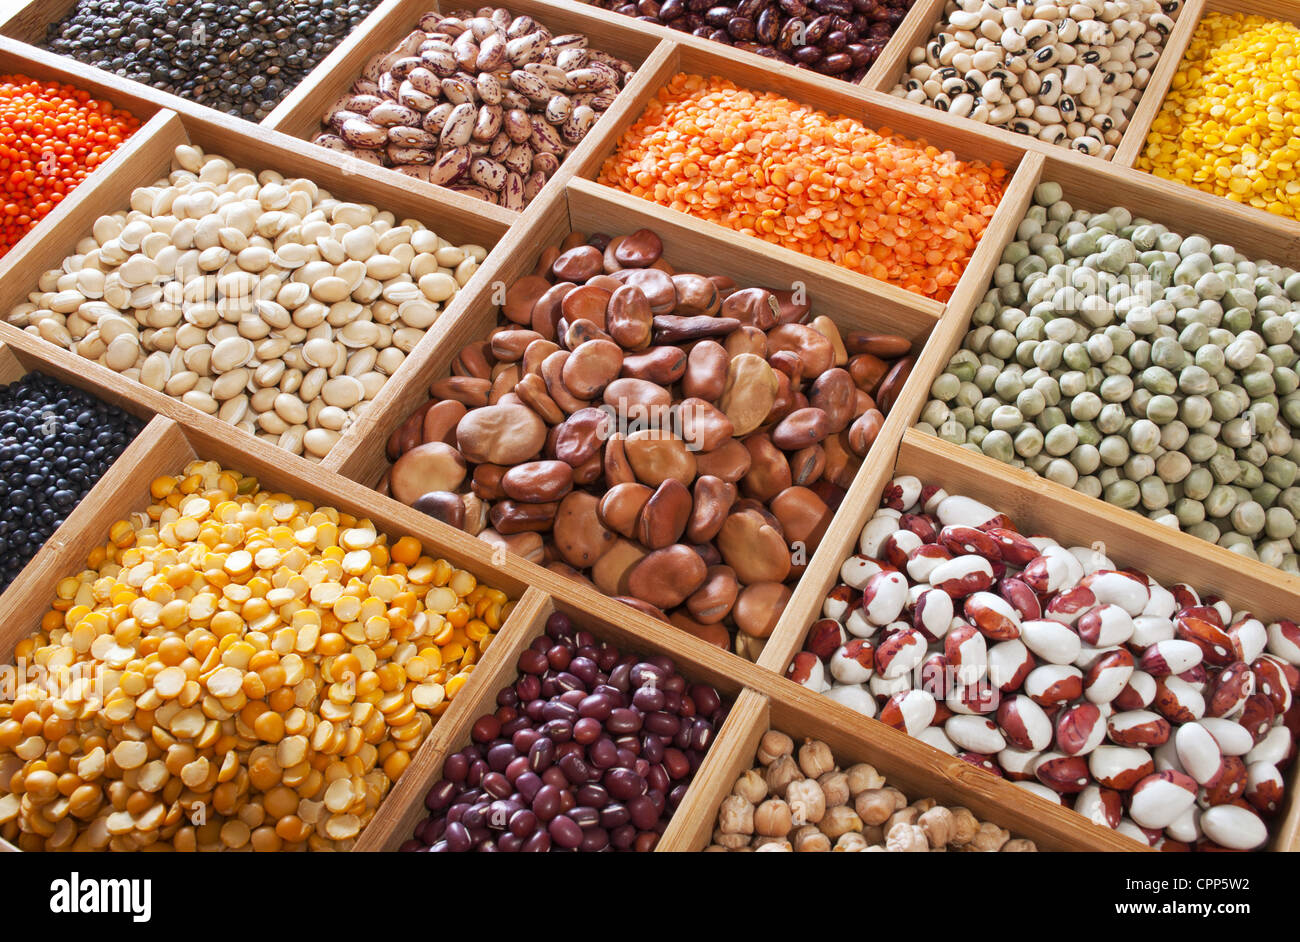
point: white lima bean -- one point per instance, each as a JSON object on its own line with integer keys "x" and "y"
{"x": 1066, "y": 73}
{"x": 252, "y": 297}
{"x": 1155, "y": 370}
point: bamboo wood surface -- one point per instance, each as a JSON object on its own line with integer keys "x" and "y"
{"x": 178, "y": 432}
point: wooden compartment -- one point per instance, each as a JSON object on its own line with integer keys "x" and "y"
{"x": 27, "y": 22}
{"x": 909, "y": 765}
{"x": 147, "y": 157}
{"x": 916, "y": 31}
{"x": 698, "y": 662}
{"x": 164, "y": 447}
{"x": 300, "y": 112}
{"x": 968, "y": 140}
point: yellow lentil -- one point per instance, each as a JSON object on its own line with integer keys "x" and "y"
{"x": 1231, "y": 122}
{"x": 227, "y": 673}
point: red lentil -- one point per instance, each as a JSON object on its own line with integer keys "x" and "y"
{"x": 51, "y": 137}
{"x": 830, "y": 187}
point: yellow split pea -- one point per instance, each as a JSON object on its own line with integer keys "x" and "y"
{"x": 233, "y": 669}
{"x": 1231, "y": 122}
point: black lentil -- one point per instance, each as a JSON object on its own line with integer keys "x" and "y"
{"x": 239, "y": 57}
{"x": 56, "y": 441}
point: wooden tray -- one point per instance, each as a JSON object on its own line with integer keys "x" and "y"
{"x": 762, "y": 697}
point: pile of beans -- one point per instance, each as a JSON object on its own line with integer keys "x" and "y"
{"x": 240, "y": 670}
{"x": 677, "y": 440}
{"x": 833, "y": 37}
{"x": 807, "y": 804}
{"x": 239, "y": 57}
{"x": 590, "y": 749}
{"x": 1153, "y": 370}
{"x": 51, "y": 137}
{"x": 1156, "y": 711}
{"x": 1231, "y": 122}
{"x": 829, "y": 187}
{"x": 488, "y": 104}
{"x": 257, "y": 298}
{"x": 1066, "y": 73}
{"x": 56, "y": 441}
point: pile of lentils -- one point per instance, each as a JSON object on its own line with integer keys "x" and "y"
{"x": 239, "y": 57}
{"x": 55, "y": 443}
{"x": 1154, "y": 370}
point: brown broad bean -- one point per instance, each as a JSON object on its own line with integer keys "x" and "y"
{"x": 696, "y": 295}
{"x": 620, "y": 508}
{"x": 753, "y": 548}
{"x": 527, "y": 544}
{"x": 892, "y": 385}
{"x": 440, "y": 421}
{"x": 575, "y": 333}
{"x": 816, "y": 355}
{"x": 637, "y": 398}
{"x": 769, "y": 471}
{"x": 487, "y": 481}
{"x": 641, "y": 606}
{"x": 502, "y": 434}
{"x": 509, "y": 345}
{"x": 863, "y": 431}
{"x": 676, "y": 328}
{"x": 656, "y": 455}
{"x": 610, "y": 573}
{"x": 522, "y": 296}
{"x": 656, "y": 285}
{"x": 704, "y": 427}
{"x": 552, "y": 373}
{"x": 442, "y": 505}
{"x": 753, "y": 307}
{"x": 663, "y": 518}
{"x": 473, "y": 361}
{"x": 867, "y": 372}
{"x": 888, "y": 346}
{"x": 712, "y": 501}
{"x": 662, "y": 365}
{"x": 580, "y": 538}
{"x": 469, "y": 390}
{"x": 628, "y": 318}
{"x": 804, "y": 516}
{"x": 535, "y": 354}
{"x": 579, "y": 437}
{"x": 807, "y": 465}
{"x": 706, "y": 371}
{"x": 749, "y": 392}
{"x": 616, "y": 466}
{"x": 641, "y": 249}
{"x": 799, "y": 429}
{"x": 836, "y": 395}
{"x": 531, "y": 390}
{"x": 759, "y": 606}
{"x": 586, "y": 303}
{"x": 550, "y": 308}
{"x": 578, "y": 263}
{"x": 731, "y": 461}
{"x": 715, "y": 634}
{"x": 666, "y": 577}
{"x": 591, "y": 367}
{"x": 538, "y": 482}
{"x": 713, "y": 601}
{"x": 746, "y": 340}
{"x": 512, "y": 516}
{"x": 434, "y": 466}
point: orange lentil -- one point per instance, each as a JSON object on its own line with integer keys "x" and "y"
{"x": 51, "y": 137}
{"x": 830, "y": 187}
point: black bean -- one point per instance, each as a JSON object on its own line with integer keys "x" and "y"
{"x": 56, "y": 441}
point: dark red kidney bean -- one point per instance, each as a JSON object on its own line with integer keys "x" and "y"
{"x": 558, "y": 657}
{"x": 566, "y": 682}
{"x": 676, "y": 796}
{"x": 594, "y": 839}
{"x": 574, "y": 769}
{"x": 523, "y": 740}
{"x": 557, "y": 730}
{"x": 623, "y": 721}
{"x": 541, "y": 755}
{"x": 652, "y": 749}
{"x": 517, "y": 767}
{"x": 584, "y": 817}
{"x": 559, "y": 710}
{"x": 531, "y": 662}
{"x": 564, "y": 832}
{"x": 585, "y": 669}
{"x": 509, "y": 844}
{"x": 442, "y": 794}
{"x": 676, "y": 764}
{"x": 657, "y": 779}
{"x": 648, "y": 699}
{"x": 546, "y": 803}
{"x": 523, "y": 823}
{"x": 624, "y": 784}
{"x": 499, "y": 757}
{"x": 603, "y": 754}
{"x": 587, "y": 730}
{"x": 705, "y": 698}
{"x": 478, "y": 768}
{"x": 623, "y": 836}
{"x": 528, "y": 785}
{"x": 595, "y": 706}
{"x": 539, "y": 843}
{"x": 593, "y": 795}
{"x": 458, "y": 839}
{"x": 643, "y": 812}
{"x": 485, "y": 729}
{"x": 614, "y": 815}
{"x": 662, "y": 724}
